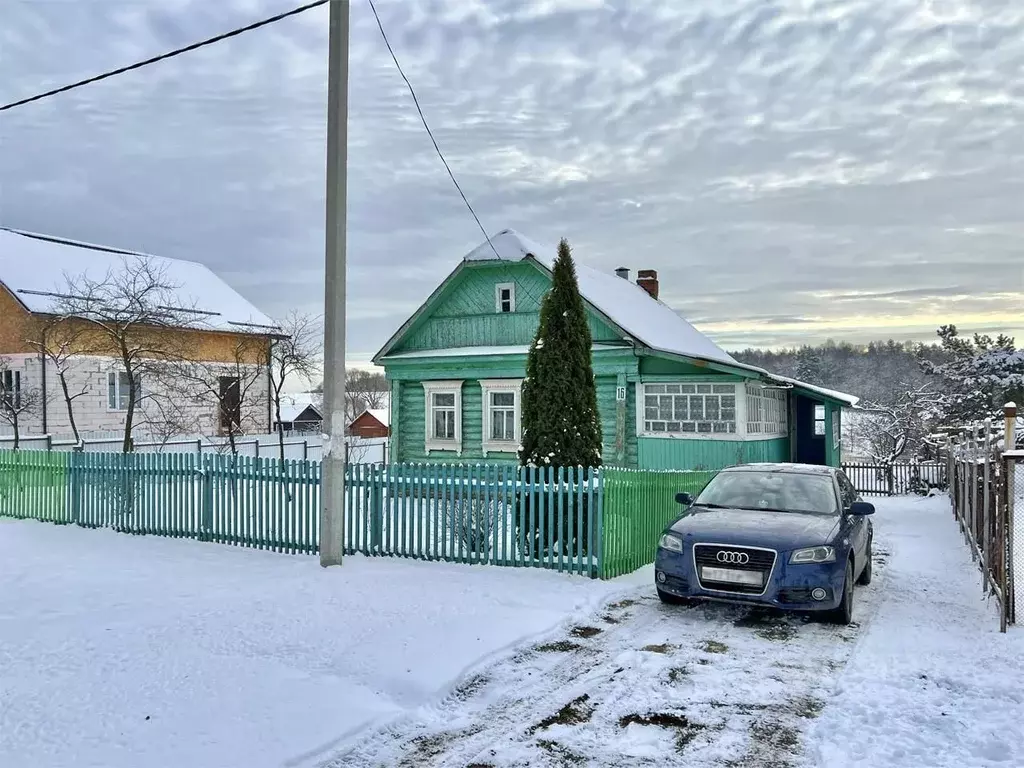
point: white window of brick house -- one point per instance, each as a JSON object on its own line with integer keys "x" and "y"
{"x": 502, "y": 403}
{"x": 10, "y": 388}
{"x": 443, "y": 412}
{"x": 767, "y": 412}
{"x": 118, "y": 390}
{"x": 689, "y": 410}
{"x": 505, "y": 298}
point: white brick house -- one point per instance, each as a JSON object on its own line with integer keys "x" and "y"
{"x": 227, "y": 340}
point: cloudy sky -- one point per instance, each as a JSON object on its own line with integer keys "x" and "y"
{"x": 795, "y": 170}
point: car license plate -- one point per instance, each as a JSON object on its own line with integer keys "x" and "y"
{"x": 731, "y": 576}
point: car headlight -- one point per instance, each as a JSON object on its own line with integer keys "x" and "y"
{"x": 670, "y": 542}
{"x": 814, "y": 555}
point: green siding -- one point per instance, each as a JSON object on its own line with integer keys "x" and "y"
{"x": 833, "y": 415}
{"x": 464, "y": 315}
{"x": 667, "y": 453}
{"x": 606, "y": 407}
{"x": 659, "y": 366}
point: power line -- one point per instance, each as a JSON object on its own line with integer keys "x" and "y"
{"x": 168, "y": 55}
{"x": 430, "y": 133}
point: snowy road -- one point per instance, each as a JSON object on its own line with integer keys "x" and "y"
{"x": 923, "y": 681}
{"x": 640, "y": 683}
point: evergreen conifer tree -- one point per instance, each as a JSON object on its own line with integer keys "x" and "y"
{"x": 560, "y": 422}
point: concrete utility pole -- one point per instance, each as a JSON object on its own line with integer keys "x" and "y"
{"x": 332, "y": 485}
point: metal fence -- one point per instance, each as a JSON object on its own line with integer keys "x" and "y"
{"x": 898, "y": 479}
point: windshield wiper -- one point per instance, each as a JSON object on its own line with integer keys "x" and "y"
{"x": 763, "y": 509}
{"x": 709, "y": 505}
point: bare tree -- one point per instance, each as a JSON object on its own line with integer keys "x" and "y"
{"x": 128, "y": 314}
{"x": 58, "y": 340}
{"x": 16, "y": 401}
{"x": 889, "y": 429}
{"x": 293, "y": 354}
{"x": 234, "y": 387}
{"x": 364, "y": 390}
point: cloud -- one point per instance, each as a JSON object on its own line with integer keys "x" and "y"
{"x": 836, "y": 168}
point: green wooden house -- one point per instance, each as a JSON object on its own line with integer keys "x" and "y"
{"x": 669, "y": 397}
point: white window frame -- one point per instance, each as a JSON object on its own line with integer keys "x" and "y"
{"x": 431, "y": 388}
{"x": 488, "y": 387}
{"x": 736, "y": 390}
{"x": 511, "y": 288}
{"x": 116, "y": 374}
{"x": 823, "y": 420}
{"x": 767, "y": 412}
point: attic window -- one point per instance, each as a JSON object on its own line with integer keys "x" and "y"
{"x": 505, "y": 298}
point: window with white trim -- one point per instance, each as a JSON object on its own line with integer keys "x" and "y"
{"x": 505, "y": 298}
{"x": 767, "y": 411}
{"x": 443, "y": 408}
{"x": 819, "y": 420}
{"x": 690, "y": 409}
{"x": 10, "y": 388}
{"x": 836, "y": 432}
{"x": 118, "y": 389}
{"x": 502, "y": 400}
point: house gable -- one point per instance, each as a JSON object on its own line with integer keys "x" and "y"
{"x": 15, "y": 323}
{"x": 464, "y": 312}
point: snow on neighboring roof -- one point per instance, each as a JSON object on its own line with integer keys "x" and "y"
{"x": 629, "y": 306}
{"x": 34, "y": 267}
{"x": 383, "y": 415}
{"x": 292, "y": 406}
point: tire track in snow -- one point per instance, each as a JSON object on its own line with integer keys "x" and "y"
{"x": 656, "y": 685}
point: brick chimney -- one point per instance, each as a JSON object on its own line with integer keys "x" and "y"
{"x": 648, "y": 280}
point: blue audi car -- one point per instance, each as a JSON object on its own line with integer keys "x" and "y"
{"x": 791, "y": 536}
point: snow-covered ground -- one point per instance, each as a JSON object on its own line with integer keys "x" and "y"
{"x": 121, "y": 651}
{"x": 134, "y": 651}
{"x": 932, "y": 682}
{"x": 923, "y": 680}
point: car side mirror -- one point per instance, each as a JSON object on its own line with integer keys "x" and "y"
{"x": 684, "y": 498}
{"x": 862, "y": 508}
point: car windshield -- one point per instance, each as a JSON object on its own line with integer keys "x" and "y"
{"x": 776, "y": 491}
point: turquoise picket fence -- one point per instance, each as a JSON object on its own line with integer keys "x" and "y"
{"x": 494, "y": 514}
{"x": 595, "y": 522}
{"x": 259, "y": 503}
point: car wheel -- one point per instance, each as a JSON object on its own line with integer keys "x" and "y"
{"x": 865, "y": 575}
{"x": 670, "y": 599}
{"x": 843, "y": 614}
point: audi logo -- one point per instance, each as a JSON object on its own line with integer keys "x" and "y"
{"x": 737, "y": 558}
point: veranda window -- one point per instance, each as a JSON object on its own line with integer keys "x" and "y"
{"x": 690, "y": 409}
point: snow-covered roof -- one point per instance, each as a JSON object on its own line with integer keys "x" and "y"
{"x": 383, "y": 415}
{"x": 34, "y": 267}
{"x": 629, "y": 306}
{"x": 292, "y": 406}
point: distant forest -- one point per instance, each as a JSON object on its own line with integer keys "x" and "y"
{"x": 872, "y": 372}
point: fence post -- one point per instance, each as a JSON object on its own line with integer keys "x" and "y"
{"x": 206, "y": 508}
{"x": 75, "y": 486}
{"x": 376, "y": 504}
{"x": 1009, "y": 470}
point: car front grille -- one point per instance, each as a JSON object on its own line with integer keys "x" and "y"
{"x": 758, "y": 560}
{"x": 795, "y": 595}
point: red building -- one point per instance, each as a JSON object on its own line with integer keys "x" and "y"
{"x": 373, "y": 422}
